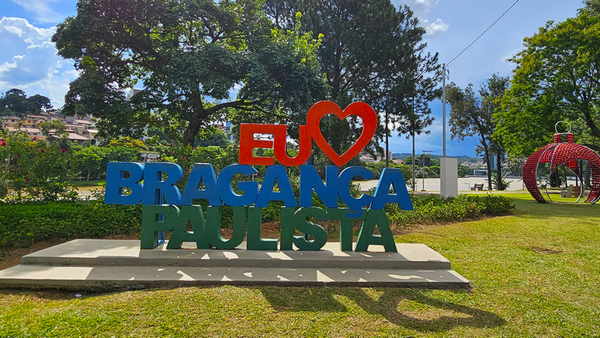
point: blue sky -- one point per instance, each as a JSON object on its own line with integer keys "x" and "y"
{"x": 28, "y": 60}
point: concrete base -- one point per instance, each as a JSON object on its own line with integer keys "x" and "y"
{"x": 109, "y": 264}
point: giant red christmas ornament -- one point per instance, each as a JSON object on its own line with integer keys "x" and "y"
{"x": 562, "y": 153}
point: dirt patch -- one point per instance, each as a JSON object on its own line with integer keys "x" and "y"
{"x": 545, "y": 251}
{"x": 13, "y": 256}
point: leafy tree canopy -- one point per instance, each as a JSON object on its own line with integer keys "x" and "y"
{"x": 192, "y": 56}
{"x": 472, "y": 115}
{"x": 370, "y": 52}
{"x": 15, "y": 102}
{"x": 214, "y": 138}
{"x": 557, "y": 78}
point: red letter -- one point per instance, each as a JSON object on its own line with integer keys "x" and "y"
{"x": 280, "y": 149}
{"x": 248, "y": 143}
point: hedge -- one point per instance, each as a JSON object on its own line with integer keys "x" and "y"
{"x": 23, "y": 224}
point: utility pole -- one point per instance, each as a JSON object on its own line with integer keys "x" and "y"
{"x": 444, "y": 105}
{"x": 413, "y": 164}
{"x": 414, "y": 183}
{"x": 387, "y": 140}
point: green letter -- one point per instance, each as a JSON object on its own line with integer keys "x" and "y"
{"x": 213, "y": 228}
{"x": 151, "y": 223}
{"x": 309, "y": 228}
{"x": 180, "y": 234}
{"x": 254, "y": 227}
{"x": 366, "y": 237}
{"x": 287, "y": 228}
{"x": 346, "y": 226}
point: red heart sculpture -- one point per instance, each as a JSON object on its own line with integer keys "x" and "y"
{"x": 360, "y": 109}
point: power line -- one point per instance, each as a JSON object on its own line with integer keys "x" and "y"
{"x": 485, "y": 31}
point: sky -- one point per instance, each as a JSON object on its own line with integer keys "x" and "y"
{"x": 28, "y": 60}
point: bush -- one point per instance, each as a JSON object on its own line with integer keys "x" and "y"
{"x": 23, "y": 224}
{"x": 432, "y": 209}
{"x": 36, "y": 170}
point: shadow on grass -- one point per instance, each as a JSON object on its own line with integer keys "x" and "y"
{"x": 441, "y": 315}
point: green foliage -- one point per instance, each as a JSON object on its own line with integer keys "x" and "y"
{"x": 88, "y": 161}
{"x": 432, "y": 209}
{"x": 374, "y": 66}
{"x": 474, "y": 116}
{"x": 463, "y": 170}
{"x": 556, "y": 78}
{"x": 128, "y": 142}
{"x": 190, "y": 54}
{"x": 377, "y": 168}
{"x": 503, "y": 182}
{"x": 16, "y": 102}
{"x": 26, "y": 223}
{"x": 53, "y": 129}
{"x": 215, "y": 138}
{"x": 36, "y": 170}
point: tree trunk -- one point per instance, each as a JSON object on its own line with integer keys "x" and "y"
{"x": 589, "y": 121}
{"x": 189, "y": 135}
{"x": 486, "y": 153}
{"x": 499, "y": 185}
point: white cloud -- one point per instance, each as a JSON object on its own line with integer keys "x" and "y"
{"x": 421, "y": 7}
{"x": 436, "y": 27}
{"x": 29, "y": 61}
{"x": 42, "y": 9}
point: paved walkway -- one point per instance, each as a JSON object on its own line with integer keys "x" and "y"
{"x": 464, "y": 184}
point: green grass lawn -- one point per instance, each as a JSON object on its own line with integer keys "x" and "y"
{"x": 534, "y": 273}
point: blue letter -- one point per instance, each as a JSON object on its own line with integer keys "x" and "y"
{"x": 382, "y": 195}
{"x": 155, "y": 187}
{"x": 343, "y": 188}
{"x": 309, "y": 180}
{"x": 202, "y": 172}
{"x": 226, "y": 193}
{"x": 285, "y": 194}
{"x": 116, "y": 181}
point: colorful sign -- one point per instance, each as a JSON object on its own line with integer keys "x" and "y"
{"x": 166, "y": 208}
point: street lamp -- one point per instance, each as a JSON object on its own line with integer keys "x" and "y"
{"x": 422, "y": 165}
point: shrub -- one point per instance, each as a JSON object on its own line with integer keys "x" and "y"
{"x": 23, "y": 224}
{"x": 36, "y": 170}
{"x": 432, "y": 209}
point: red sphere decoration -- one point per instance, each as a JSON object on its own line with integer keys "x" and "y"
{"x": 566, "y": 153}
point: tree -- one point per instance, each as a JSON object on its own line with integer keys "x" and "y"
{"x": 557, "y": 77}
{"x": 370, "y": 52}
{"x": 492, "y": 92}
{"x": 87, "y": 160}
{"x": 16, "y": 102}
{"x": 128, "y": 142}
{"x": 191, "y": 55}
{"x": 216, "y": 138}
{"x": 38, "y": 103}
{"x": 473, "y": 116}
{"x": 53, "y": 129}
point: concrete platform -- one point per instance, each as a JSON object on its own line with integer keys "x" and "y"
{"x": 109, "y": 264}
